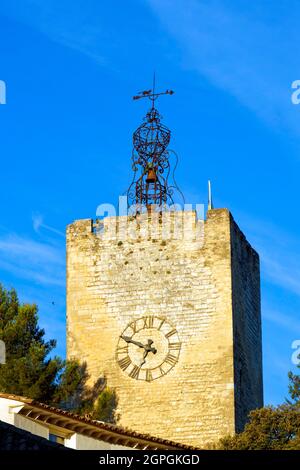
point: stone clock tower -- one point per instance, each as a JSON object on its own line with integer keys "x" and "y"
{"x": 167, "y": 307}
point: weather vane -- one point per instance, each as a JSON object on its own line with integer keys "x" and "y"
{"x": 151, "y": 159}
{"x": 151, "y": 94}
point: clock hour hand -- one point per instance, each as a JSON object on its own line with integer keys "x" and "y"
{"x": 144, "y": 357}
{"x": 148, "y": 348}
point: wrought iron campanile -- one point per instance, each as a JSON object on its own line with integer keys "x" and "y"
{"x": 151, "y": 159}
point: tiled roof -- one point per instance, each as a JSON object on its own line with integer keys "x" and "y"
{"x": 97, "y": 429}
{"x": 13, "y": 438}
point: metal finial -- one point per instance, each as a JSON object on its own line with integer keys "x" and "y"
{"x": 151, "y": 157}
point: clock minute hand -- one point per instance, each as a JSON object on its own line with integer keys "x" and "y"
{"x": 137, "y": 343}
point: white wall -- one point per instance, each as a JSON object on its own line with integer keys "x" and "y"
{"x": 34, "y": 427}
{"x": 9, "y": 410}
{"x": 80, "y": 442}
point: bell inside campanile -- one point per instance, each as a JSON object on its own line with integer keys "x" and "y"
{"x": 151, "y": 177}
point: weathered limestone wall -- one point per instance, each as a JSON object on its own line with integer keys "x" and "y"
{"x": 113, "y": 280}
{"x": 247, "y": 327}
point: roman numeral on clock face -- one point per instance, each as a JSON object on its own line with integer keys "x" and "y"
{"x": 171, "y": 333}
{"x": 133, "y": 327}
{"x": 148, "y": 322}
{"x": 149, "y": 375}
{"x": 175, "y": 346}
{"x": 134, "y": 374}
{"x": 124, "y": 362}
{"x": 161, "y": 323}
{"x": 170, "y": 359}
{"x": 122, "y": 349}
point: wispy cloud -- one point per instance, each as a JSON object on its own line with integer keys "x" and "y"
{"x": 38, "y": 223}
{"x": 242, "y": 48}
{"x": 288, "y": 322}
{"x": 76, "y": 25}
{"x": 36, "y": 268}
{"x": 282, "y": 269}
{"x": 278, "y": 249}
{"x": 29, "y": 259}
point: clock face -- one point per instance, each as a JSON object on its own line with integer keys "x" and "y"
{"x": 148, "y": 348}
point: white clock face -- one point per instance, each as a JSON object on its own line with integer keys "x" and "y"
{"x": 148, "y": 348}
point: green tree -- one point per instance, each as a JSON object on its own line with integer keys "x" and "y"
{"x": 269, "y": 428}
{"x": 71, "y": 386}
{"x": 294, "y": 389}
{"x": 30, "y": 372}
{"x": 73, "y": 393}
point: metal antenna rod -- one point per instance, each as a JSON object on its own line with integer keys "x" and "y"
{"x": 153, "y": 89}
{"x": 210, "y": 203}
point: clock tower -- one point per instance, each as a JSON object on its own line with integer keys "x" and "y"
{"x": 167, "y": 306}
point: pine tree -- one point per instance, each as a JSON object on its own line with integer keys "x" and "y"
{"x": 31, "y": 373}
{"x": 28, "y": 370}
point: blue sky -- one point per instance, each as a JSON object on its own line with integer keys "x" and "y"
{"x": 71, "y": 68}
